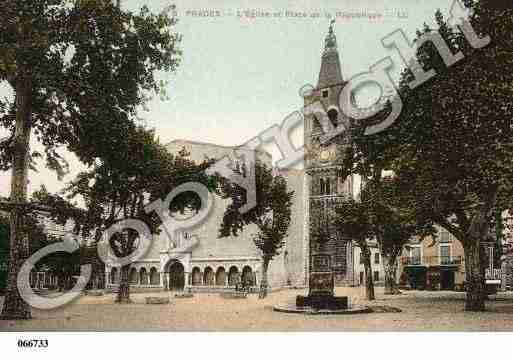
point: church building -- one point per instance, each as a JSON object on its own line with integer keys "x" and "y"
{"x": 212, "y": 263}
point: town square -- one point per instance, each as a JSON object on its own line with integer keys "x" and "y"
{"x": 283, "y": 168}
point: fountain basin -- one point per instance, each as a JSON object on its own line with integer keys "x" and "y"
{"x": 321, "y": 304}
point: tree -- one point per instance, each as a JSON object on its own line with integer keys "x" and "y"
{"x": 391, "y": 211}
{"x": 79, "y": 71}
{"x": 451, "y": 147}
{"x": 384, "y": 211}
{"x": 271, "y": 214}
{"x": 62, "y": 264}
{"x": 121, "y": 185}
{"x": 399, "y": 222}
{"x": 66, "y": 266}
{"x": 353, "y": 221}
{"x": 34, "y": 229}
{"x": 457, "y": 154}
{"x": 4, "y": 250}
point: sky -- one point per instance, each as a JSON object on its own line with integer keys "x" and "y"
{"x": 240, "y": 75}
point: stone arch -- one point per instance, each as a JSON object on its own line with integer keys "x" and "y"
{"x": 176, "y": 272}
{"x": 221, "y": 276}
{"x": 114, "y": 275}
{"x": 143, "y": 276}
{"x": 196, "y": 276}
{"x": 233, "y": 275}
{"x": 154, "y": 276}
{"x": 248, "y": 276}
{"x": 208, "y": 276}
{"x": 133, "y": 276}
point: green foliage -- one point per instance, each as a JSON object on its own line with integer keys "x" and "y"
{"x": 63, "y": 264}
{"x": 80, "y": 70}
{"x": 451, "y": 147}
{"x": 33, "y": 229}
{"x": 119, "y": 186}
{"x": 353, "y": 220}
{"x": 458, "y": 154}
{"x": 4, "y": 233}
{"x": 383, "y": 212}
{"x": 271, "y": 215}
{"x": 91, "y": 65}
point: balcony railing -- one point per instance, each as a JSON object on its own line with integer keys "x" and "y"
{"x": 432, "y": 261}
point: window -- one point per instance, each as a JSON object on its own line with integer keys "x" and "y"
{"x": 325, "y": 93}
{"x": 376, "y": 258}
{"x": 445, "y": 254}
{"x": 376, "y": 276}
{"x": 445, "y": 236}
{"x": 332, "y": 116}
{"x": 325, "y": 186}
{"x": 415, "y": 255}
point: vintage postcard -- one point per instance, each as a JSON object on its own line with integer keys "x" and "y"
{"x": 237, "y": 166}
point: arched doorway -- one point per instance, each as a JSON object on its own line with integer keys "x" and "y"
{"x": 176, "y": 276}
{"x": 134, "y": 278}
{"x": 233, "y": 276}
{"x": 196, "y": 276}
{"x": 247, "y": 276}
{"x": 221, "y": 277}
{"x": 154, "y": 276}
{"x": 208, "y": 276}
{"x": 143, "y": 276}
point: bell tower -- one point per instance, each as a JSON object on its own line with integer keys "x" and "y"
{"x": 331, "y": 257}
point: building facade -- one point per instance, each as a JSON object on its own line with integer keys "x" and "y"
{"x": 199, "y": 260}
{"x": 433, "y": 264}
{"x": 378, "y": 271}
{"x": 215, "y": 264}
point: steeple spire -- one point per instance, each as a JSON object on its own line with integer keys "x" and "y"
{"x": 330, "y": 43}
{"x": 330, "y": 73}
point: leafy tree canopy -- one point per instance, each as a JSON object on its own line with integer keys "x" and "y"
{"x": 272, "y": 213}
{"x": 89, "y": 65}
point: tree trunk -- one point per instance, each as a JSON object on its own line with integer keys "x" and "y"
{"x": 390, "y": 266}
{"x": 474, "y": 276}
{"x": 474, "y": 254}
{"x": 263, "y": 282}
{"x": 369, "y": 282}
{"x": 124, "y": 286}
{"x": 14, "y": 306}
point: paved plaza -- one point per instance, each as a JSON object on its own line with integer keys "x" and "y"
{"x": 420, "y": 310}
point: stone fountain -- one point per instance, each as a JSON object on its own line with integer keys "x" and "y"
{"x": 321, "y": 298}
